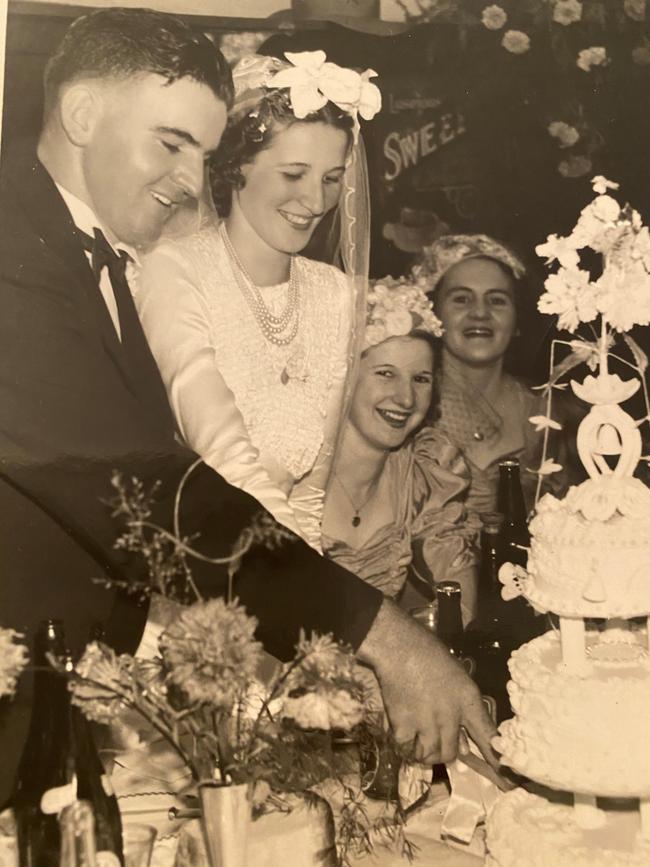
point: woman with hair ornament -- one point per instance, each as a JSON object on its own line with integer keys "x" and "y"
{"x": 396, "y": 497}
{"x": 255, "y": 342}
{"x": 476, "y": 284}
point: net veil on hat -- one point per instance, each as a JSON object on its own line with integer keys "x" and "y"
{"x": 449, "y": 250}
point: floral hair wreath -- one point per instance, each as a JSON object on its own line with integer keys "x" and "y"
{"x": 449, "y": 250}
{"x": 397, "y": 308}
{"x": 311, "y": 80}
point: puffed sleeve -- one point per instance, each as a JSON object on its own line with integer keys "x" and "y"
{"x": 177, "y": 322}
{"x": 444, "y": 537}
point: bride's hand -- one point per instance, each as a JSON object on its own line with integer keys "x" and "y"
{"x": 426, "y": 692}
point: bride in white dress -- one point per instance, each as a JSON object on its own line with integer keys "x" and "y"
{"x": 254, "y": 342}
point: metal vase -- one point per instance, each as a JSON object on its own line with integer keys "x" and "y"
{"x": 226, "y": 817}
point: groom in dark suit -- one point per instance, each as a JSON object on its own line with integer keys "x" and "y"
{"x": 134, "y": 104}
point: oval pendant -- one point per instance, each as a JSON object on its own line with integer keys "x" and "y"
{"x": 356, "y": 521}
{"x": 284, "y": 377}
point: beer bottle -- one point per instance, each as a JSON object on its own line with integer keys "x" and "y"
{"x": 490, "y": 636}
{"x": 42, "y": 785}
{"x": 59, "y": 764}
{"x": 450, "y": 621}
{"x": 510, "y": 503}
{"x": 516, "y": 540}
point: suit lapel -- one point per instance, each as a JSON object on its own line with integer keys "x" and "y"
{"x": 56, "y": 229}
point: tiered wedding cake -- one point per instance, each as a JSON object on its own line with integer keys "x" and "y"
{"x": 581, "y": 694}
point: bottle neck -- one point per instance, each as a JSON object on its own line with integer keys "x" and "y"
{"x": 450, "y": 623}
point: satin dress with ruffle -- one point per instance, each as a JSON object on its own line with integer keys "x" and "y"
{"x": 430, "y": 529}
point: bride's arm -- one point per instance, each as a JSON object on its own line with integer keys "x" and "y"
{"x": 176, "y": 321}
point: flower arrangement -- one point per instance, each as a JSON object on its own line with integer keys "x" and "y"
{"x": 619, "y": 296}
{"x": 202, "y": 693}
{"x": 13, "y": 659}
{"x": 398, "y": 306}
{"x": 577, "y": 47}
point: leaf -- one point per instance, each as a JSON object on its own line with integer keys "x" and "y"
{"x": 588, "y": 351}
{"x": 640, "y": 358}
{"x": 549, "y": 466}
{"x": 572, "y": 360}
{"x": 542, "y": 422}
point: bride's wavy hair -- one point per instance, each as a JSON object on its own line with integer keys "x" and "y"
{"x": 246, "y": 136}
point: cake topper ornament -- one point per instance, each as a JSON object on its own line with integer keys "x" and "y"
{"x": 620, "y": 298}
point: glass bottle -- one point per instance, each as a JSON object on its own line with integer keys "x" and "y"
{"x": 510, "y": 503}
{"x": 60, "y": 765}
{"x": 42, "y": 785}
{"x": 77, "y": 824}
{"x": 516, "y": 540}
{"x": 450, "y": 621}
{"x": 490, "y": 636}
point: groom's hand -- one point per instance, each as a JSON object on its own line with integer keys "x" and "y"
{"x": 427, "y": 694}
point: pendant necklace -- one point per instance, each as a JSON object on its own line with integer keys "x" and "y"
{"x": 356, "y": 518}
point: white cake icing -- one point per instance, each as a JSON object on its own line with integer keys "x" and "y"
{"x": 590, "y": 553}
{"x": 525, "y": 830}
{"x": 577, "y": 732}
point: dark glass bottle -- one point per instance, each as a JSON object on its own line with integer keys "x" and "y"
{"x": 516, "y": 540}
{"x": 510, "y": 503}
{"x": 450, "y": 621}
{"x": 59, "y": 764}
{"x": 43, "y": 766}
{"x": 490, "y": 637}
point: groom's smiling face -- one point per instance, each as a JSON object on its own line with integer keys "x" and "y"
{"x": 146, "y": 153}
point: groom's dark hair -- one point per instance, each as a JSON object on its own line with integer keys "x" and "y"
{"x": 118, "y": 43}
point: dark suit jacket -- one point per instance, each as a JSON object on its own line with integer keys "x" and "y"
{"x": 71, "y": 412}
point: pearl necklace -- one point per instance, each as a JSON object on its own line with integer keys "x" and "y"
{"x": 272, "y": 327}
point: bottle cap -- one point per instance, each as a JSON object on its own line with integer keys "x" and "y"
{"x": 510, "y": 462}
{"x": 448, "y": 588}
{"x": 492, "y": 521}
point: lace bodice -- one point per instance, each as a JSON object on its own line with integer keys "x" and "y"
{"x": 286, "y": 395}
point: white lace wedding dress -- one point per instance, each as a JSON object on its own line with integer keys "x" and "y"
{"x": 264, "y": 416}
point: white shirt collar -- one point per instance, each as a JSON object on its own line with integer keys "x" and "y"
{"x": 85, "y": 219}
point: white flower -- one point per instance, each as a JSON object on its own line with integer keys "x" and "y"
{"x": 625, "y": 294}
{"x": 606, "y": 208}
{"x": 641, "y": 54}
{"x": 313, "y": 81}
{"x": 13, "y": 658}
{"x": 601, "y": 185}
{"x": 567, "y": 11}
{"x": 515, "y": 41}
{"x": 562, "y": 249}
{"x": 594, "y": 56}
{"x": 635, "y": 9}
{"x": 570, "y": 294}
{"x": 398, "y": 322}
{"x": 324, "y": 709}
{"x": 493, "y": 17}
{"x": 542, "y": 422}
{"x": 574, "y": 166}
{"x": 566, "y": 134}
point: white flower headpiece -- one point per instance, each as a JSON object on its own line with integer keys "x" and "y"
{"x": 448, "y": 250}
{"x": 396, "y": 308}
{"x": 312, "y": 82}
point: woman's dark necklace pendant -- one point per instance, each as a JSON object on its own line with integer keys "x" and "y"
{"x": 356, "y": 520}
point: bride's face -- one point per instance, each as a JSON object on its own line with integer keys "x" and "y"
{"x": 292, "y": 184}
{"x": 393, "y": 392}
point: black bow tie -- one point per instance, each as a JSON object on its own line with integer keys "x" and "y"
{"x": 102, "y": 255}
